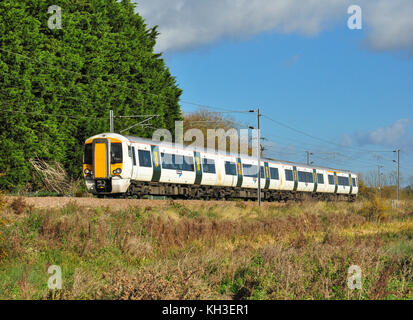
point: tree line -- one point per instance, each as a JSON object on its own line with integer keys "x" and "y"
{"x": 58, "y": 85}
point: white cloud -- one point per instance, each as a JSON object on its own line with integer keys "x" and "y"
{"x": 387, "y": 136}
{"x": 189, "y": 23}
{"x": 391, "y": 25}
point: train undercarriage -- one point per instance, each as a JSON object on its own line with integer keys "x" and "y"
{"x": 140, "y": 189}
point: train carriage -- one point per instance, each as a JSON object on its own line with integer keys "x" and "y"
{"x": 116, "y": 165}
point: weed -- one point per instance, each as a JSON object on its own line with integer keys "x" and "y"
{"x": 374, "y": 209}
{"x": 3, "y": 201}
{"x": 19, "y": 205}
{"x": 35, "y": 221}
{"x": 208, "y": 251}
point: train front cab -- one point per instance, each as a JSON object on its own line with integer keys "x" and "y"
{"x": 104, "y": 167}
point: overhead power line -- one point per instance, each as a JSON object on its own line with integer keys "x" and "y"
{"x": 219, "y": 109}
{"x": 33, "y": 113}
{"x": 223, "y": 110}
{"x": 317, "y": 138}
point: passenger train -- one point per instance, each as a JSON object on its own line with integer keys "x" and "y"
{"x": 123, "y": 166}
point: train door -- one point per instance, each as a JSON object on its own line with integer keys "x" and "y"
{"x": 156, "y": 161}
{"x": 231, "y": 172}
{"x": 134, "y": 172}
{"x": 198, "y": 168}
{"x": 100, "y": 159}
{"x": 335, "y": 182}
{"x": 239, "y": 173}
{"x": 266, "y": 175}
{"x": 315, "y": 180}
{"x": 295, "y": 178}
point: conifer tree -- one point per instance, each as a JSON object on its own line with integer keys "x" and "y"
{"x": 58, "y": 85}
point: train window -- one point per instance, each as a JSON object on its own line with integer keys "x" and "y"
{"x": 289, "y": 175}
{"x": 144, "y": 158}
{"x": 168, "y": 161}
{"x": 116, "y": 153}
{"x": 88, "y": 156}
{"x": 230, "y": 168}
{"x": 320, "y": 178}
{"x": 188, "y": 164}
{"x": 249, "y": 170}
{"x": 177, "y": 162}
{"x": 208, "y": 165}
{"x": 306, "y": 177}
{"x": 274, "y": 174}
{"x": 343, "y": 181}
{"x": 354, "y": 182}
{"x": 262, "y": 175}
{"x": 331, "y": 179}
{"x": 134, "y": 156}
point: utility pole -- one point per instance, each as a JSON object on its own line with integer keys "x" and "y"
{"x": 379, "y": 173}
{"x": 398, "y": 173}
{"x": 259, "y": 157}
{"x": 308, "y": 157}
{"x": 112, "y": 130}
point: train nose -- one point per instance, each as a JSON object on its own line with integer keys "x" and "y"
{"x": 103, "y": 186}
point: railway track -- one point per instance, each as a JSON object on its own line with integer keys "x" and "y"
{"x": 121, "y": 204}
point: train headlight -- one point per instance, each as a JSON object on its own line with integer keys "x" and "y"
{"x": 87, "y": 172}
{"x": 117, "y": 171}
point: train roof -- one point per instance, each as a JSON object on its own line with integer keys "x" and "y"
{"x": 219, "y": 152}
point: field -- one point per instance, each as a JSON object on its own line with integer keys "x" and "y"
{"x": 147, "y": 249}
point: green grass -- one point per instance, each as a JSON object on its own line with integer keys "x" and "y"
{"x": 229, "y": 250}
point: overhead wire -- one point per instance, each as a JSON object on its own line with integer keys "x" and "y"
{"x": 221, "y": 110}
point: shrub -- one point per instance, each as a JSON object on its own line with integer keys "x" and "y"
{"x": 52, "y": 175}
{"x": 3, "y": 253}
{"x": 3, "y": 201}
{"x": 374, "y": 209}
{"x": 19, "y": 205}
{"x": 365, "y": 192}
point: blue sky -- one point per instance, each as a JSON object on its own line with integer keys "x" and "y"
{"x": 352, "y": 88}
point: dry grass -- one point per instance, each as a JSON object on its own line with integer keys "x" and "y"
{"x": 53, "y": 178}
{"x": 3, "y": 222}
{"x": 52, "y": 175}
{"x": 375, "y": 208}
{"x": 18, "y": 205}
{"x": 209, "y": 250}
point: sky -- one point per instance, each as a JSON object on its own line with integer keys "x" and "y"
{"x": 345, "y": 95}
